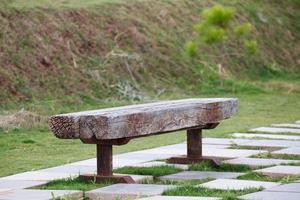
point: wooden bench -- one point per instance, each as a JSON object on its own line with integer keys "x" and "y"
{"x": 116, "y": 126}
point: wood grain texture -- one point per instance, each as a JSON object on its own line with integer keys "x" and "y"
{"x": 143, "y": 119}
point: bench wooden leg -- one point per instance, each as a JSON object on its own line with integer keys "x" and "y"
{"x": 104, "y": 167}
{"x": 194, "y": 150}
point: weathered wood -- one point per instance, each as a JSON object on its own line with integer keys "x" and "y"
{"x": 142, "y": 120}
{"x": 194, "y": 143}
{"x": 194, "y": 149}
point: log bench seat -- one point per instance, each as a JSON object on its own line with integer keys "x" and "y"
{"x": 117, "y": 126}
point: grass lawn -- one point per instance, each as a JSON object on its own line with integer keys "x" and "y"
{"x": 23, "y": 150}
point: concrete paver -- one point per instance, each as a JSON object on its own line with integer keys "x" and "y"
{"x": 234, "y": 184}
{"x": 178, "y": 198}
{"x": 286, "y": 125}
{"x": 268, "y": 195}
{"x": 291, "y": 187}
{"x": 259, "y": 162}
{"x": 269, "y": 136}
{"x": 276, "y": 130}
{"x": 19, "y": 184}
{"x": 128, "y": 191}
{"x": 290, "y": 151}
{"x": 284, "y": 170}
{"x": 198, "y": 175}
{"x": 39, "y": 194}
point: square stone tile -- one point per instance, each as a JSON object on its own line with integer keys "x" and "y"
{"x": 230, "y": 153}
{"x": 160, "y": 163}
{"x": 138, "y": 178}
{"x": 39, "y": 194}
{"x": 4, "y": 190}
{"x": 266, "y": 195}
{"x": 234, "y": 184}
{"x": 259, "y": 162}
{"x": 291, "y": 187}
{"x": 273, "y": 143}
{"x": 71, "y": 169}
{"x": 270, "y": 136}
{"x": 224, "y": 141}
{"x": 88, "y": 162}
{"x": 178, "y": 198}
{"x": 198, "y": 175}
{"x": 283, "y": 170}
{"x": 286, "y": 125}
{"x": 290, "y": 151}
{"x": 128, "y": 191}
{"x": 38, "y": 176}
{"x": 276, "y": 130}
{"x": 19, "y": 184}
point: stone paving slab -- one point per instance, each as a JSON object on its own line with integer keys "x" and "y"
{"x": 37, "y": 176}
{"x": 224, "y": 141}
{"x": 160, "y": 163}
{"x": 198, "y": 175}
{"x": 286, "y": 125}
{"x": 178, "y": 198}
{"x": 234, "y": 184}
{"x": 230, "y": 153}
{"x": 259, "y": 162}
{"x": 273, "y": 143}
{"x": 266, "y": 195}
{"x": 280, "y": 171}
{"x": 4, "y": 190}
{"x": 276, "y": 130}
{"x": 179, "y": 149}
{"x": 138, "y": 178}
{"x": 291, "y": 187}
{"x": 39, "y": 194}
{"x": 270, "y": 136}
{"x": 128, "y": 191}
{"x": 289, "y": 151}
{"x": 20, "y": 184}
{"x": 72, "y": 170}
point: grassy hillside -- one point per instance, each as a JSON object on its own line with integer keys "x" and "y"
{"x": 90, "y": 50}
{"x": 68, "y": 55}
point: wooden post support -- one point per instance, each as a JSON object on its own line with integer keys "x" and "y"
{"x": 194, "y": 150}
{"x": 105, "y": 167}
{"x": 104, "y": 160}
{"x": 194, "y": 143}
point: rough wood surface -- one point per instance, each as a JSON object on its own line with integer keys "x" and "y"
{"x": 143, "y": 119}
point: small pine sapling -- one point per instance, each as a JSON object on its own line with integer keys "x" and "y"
{"x": 216, "y": 28}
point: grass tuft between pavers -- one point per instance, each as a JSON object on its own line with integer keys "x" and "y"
{"x": 154, "y": 171}
{"x": 189, "y": 189}
{"x": 72, "y": 184}
{"x": 256, "y": 176}
{"x": 224, "y": 167}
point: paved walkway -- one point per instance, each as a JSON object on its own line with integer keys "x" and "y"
{"x": 18, "y": 186}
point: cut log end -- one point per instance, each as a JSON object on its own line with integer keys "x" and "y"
{"x": 63, "y": 127}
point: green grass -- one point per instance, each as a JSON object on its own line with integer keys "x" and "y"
{"x": 224, "y": 167}
{"x": 261, "y": 177}
{"x": 155, "y": 171}
{"x": 72, "y": 184}
{"x": 22, "y": 150}
{"x": 190, "y": 190}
